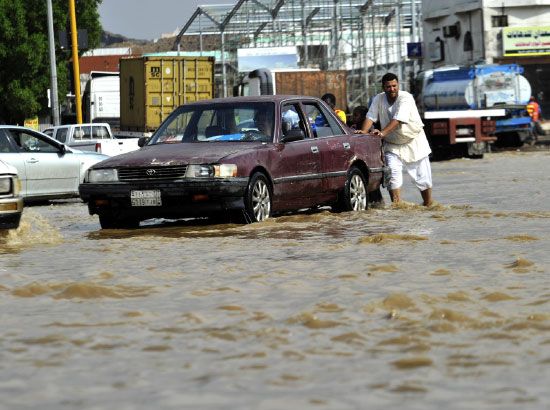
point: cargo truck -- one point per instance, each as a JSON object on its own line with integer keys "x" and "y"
{"x": 466, "y": 108}
{"x": 310, "y": 82}
{"x": 151, "y": 87}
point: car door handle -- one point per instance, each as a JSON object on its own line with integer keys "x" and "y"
{"x": 315, "y": 150}
{"x": 346, "y": 145}
{"x": 32, "y": 160}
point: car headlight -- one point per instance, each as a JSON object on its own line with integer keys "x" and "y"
{"x": 5, "y": 186}
{"x": 211, "y": 171}
{"x": 102, "y": 175}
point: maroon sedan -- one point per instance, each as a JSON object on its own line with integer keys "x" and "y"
{"x": 245, "y": 157}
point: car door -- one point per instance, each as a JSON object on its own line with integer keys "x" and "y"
{"x": 49, "y": 172}
{"x": 335, "y": 149}
{"x": 295, "y": 168}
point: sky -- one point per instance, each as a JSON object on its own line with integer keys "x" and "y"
{"x": 147, "y": 20}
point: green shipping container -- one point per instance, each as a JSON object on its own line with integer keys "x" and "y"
{"x": 152, "y": 87}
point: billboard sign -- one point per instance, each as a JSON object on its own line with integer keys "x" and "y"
{"x": 249, "y": 59}
{"x": 526, "y": 41}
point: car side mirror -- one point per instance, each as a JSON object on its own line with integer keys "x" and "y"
{"x": 142, "y": 141}
{"x": 62, "y": 149}
{"x": 293, "y": 135}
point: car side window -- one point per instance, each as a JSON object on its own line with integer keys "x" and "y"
{"x": 291, "y": 122}
{"x": 61, "y": 135}
{"x": 78, "y": 134}
{"x": 320, "y": 122}
{"x": 5, "y": 144}
{"x": 87, "y": 132}
{"x": 100, "y": 132}
{"x": 31, "y": 143}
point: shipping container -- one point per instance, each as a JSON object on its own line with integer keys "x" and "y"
{"x": 309, "y": 82}
{"x": 152, "y": 87}
{"x": 314, "y": 84}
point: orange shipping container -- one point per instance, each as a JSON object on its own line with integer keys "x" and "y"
{"x": 152, "y": 87}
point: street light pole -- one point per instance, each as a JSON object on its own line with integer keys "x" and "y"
{"x": 76, "y": 67}
{"x": 53, "y": 67}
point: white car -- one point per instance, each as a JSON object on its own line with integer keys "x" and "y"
{"x": 47, "y": 168}
{"x": 11, "y": 203}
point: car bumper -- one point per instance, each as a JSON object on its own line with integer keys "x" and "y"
{"x": 179, "y": 198}
{"x": 10, "y": 212}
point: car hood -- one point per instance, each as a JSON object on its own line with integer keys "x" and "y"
{"x": 177, "y": 154}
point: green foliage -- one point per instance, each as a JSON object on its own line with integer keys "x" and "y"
{"x": 24, "y": 53}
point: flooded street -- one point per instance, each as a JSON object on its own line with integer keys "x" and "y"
{"x": 446, "y": 307}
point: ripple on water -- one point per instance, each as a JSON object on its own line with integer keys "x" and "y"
{"x": 82, "y": 290}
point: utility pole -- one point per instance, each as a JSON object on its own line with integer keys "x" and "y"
{"x": 76, "y": 67}
{"x": 53, "y": 67}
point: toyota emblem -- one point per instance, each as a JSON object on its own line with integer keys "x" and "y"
{"x": 150, "y": 172}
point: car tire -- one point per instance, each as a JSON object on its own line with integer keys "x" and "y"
{"x": 354, "y": 196}
{"x": 258, "y": 199}
{"x": 111, "y": 221}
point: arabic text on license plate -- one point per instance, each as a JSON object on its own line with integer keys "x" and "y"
{"x": 146, "y": 198}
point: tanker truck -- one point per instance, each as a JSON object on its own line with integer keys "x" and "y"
{"x": 466, "y": 108}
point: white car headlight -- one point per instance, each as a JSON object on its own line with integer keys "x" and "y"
{"x": 5, "y": 186}
{"x": 102, "y": 175}
{"x": 209, "y": 171}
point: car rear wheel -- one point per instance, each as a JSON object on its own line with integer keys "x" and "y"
{"x": 258, "y": 198}
{"x": 111, "y": 221}
{"x": 354, "y": 196}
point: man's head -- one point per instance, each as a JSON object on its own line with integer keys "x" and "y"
{"x": 532, "y": 98}
{"x": 330, "y": 99}
{"x": 390, "y": 85}
{"x": 262, "y": 121}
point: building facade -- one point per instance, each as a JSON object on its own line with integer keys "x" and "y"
{"x": 468, "y": 32}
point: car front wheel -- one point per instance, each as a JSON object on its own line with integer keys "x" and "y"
{"x": 258, "y": 198}
{"x": 354, "y": 196}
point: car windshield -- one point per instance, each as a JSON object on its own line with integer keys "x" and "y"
{"x": 252, "y": 121}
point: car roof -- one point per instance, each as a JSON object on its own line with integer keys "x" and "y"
{"x": 256, "y": 98}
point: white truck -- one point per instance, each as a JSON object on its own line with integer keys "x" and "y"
{"x": 101, "y": 98}
{"x": 92, "y": 137}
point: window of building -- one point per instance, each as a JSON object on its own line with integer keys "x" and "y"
{"x": 499, "y": 21}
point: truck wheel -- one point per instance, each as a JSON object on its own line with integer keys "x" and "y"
{"x": 258, "y": 198}
{"x": 354, "y": 196}
{"x": 111, "y": 221}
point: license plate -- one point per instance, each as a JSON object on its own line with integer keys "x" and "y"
{"x": 146, "y": 198}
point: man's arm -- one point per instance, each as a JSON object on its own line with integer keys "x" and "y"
{"x": 392, "y": 125}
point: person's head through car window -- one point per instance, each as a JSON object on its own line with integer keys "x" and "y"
{"x": 263, "y": 122}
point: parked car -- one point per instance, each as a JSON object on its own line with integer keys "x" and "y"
{"x": 47, "y": 168}
{"x": 11, "y": 203}
{"x": 240, "y": 156}
{"x": 92, "y": 137}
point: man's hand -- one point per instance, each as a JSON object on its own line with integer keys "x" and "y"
{"x": 378, "y": 133}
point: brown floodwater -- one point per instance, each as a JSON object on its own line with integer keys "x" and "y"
{"x": 400, "y": 306}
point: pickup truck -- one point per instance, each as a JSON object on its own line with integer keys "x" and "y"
{"x": 92, "y": 137}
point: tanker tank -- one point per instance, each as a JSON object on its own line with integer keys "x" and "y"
{"x": 476, "y": 87}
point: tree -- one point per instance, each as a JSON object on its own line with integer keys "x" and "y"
{"x": 24, "y": 57}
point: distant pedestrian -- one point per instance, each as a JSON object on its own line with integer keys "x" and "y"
{"x": 330, "y": 99}
{"x": 535, "y": 112}
{"x": 405, "y": 143}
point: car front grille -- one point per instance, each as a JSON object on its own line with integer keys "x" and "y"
{"x": 152, "y": 173}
